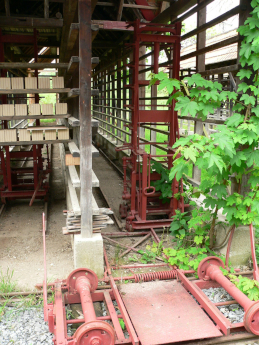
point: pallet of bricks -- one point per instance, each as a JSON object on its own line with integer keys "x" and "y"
{"x": 34, "y": 110}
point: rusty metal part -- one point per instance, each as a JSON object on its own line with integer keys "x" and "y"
{"x": 209, "y": 268}
{"x": 150, "y": 276}
{"x": 142, "y": 203}
{"x": 163, "y": 312}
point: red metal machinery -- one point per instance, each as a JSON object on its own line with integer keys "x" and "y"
{"x": 22, "y": 182}
{"x": 157, "y": 307}
{"x": 142, "y": 200}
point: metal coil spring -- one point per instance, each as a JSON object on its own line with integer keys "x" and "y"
{"x": 148, "y": 277}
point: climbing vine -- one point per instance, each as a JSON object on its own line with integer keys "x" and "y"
{"x": 230, "y": 156}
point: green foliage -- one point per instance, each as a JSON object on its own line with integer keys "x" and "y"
{"x": 151, "y": 252}
{"x": 248, "y": 286}
{"x": 163, "y": 185}
{"x": 122, "y": 323}
{"x": 186, "y": 259}
{"x": 7, "y": 284}
{"x": 233, "y": 150}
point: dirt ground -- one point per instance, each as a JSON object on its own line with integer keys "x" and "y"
{"x": 21, "y": 246}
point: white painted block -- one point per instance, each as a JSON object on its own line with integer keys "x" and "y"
{"x": 34, "y": 109}
{"x": 10, "y": 135}
{"x": 30, "y": 83}
{"x": 57, "y": 82}
{"x": 24, "y": 135}
{"x": 21, "y": 109}
{"x": 17, "y": 83}
{"x": 8, "y": 109}
{"x": 63, "y": 134}
{"x": 61, "y": 108}
{"x": 88, "y": 252}
{"x": 37, "y": 135}
{"x": 44, "y": 83}
{"x": 47, "y": 109}
{"x": 51, "y": 134}
{"x": 5, "y": 83}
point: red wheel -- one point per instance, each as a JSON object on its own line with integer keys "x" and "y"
{"x": 204, "y": 264}
{"x": 251, "y": 319}
{"x": 95, "y": 333}
{"x": 79, "y": 272}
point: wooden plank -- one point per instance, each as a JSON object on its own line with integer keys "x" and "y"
{"x": 112, "y": 25}
{"x": 33, "y": 91}
{"x": 192, "y": 11}
{"x": 76, "y": 180}
{"x": 76, "y": 91}
{"x": 73, "y": 64}
{"x": 40, "y": 128}
{"x": 222, "y": 70}
{"x": 174, "y": 10}
{"x": 95, "y": 181}
{"x": 74, "y": 157}
{"x": 74, "y": 150}
{"x": 26, "y": 22}
{"x": 73, "y": 197}
{"x": 120, "y": 10}
{"x": 141, "y": 7}
{"x": 40, "y": 117}
{"x": 33, "y": 65}
{"x": 72, "y": 36}
{"x": 213, "y": 22}
{"x": 95, "y": 30}
{"x": 74, "y": 176}
{"x": 215, "y": 46}
{"x": 72, "y": 121}
{"x": 38, "y": 142}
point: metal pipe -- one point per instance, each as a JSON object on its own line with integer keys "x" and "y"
{"x": 83, "y": 286}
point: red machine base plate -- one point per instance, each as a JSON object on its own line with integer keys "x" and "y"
{"x": 163, "y": 312}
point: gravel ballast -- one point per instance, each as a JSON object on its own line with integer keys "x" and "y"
{"x": 234, "y": 312}
{"x": 24, "y": 327}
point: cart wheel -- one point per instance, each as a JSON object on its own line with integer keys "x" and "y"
{"x": 95, "y": 333}
{"x": 79, "y": 272}
{"x": 210, "y": 260}
{"x": 251, "y": 319}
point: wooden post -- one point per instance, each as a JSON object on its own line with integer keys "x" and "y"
{"x": 46, "y": 8}
{"x": 200, "y": 67}
{"x": 85, "y": 54}
{"x": 7, "y": 8}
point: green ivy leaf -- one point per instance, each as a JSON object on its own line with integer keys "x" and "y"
{"x": 235, "y": 120}
{"x": 243, "y": 87}
{"x": 248, "y": 99}
{"x": 187, "y": 106}
{"x": 244, "y": 73}
{"x": 215, "y": 159}
{"x": 255, "y": 110}
{"x": 245, "y": 50}
{"x": 253, "y": 158}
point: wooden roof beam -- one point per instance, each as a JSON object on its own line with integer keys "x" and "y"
{"x": 26, "y": 22}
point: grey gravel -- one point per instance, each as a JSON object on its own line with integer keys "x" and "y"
{"x": 24, "y": 327}
{"x": 234, "y": 312}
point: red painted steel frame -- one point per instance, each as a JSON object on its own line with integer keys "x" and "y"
{"x": 142, "y": 200}
{"x": 13, "y": 186}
